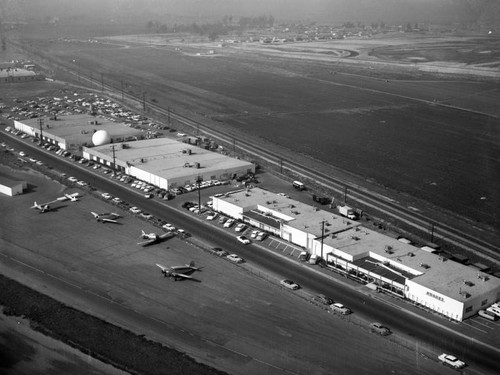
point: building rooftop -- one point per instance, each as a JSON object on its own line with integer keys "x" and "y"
{"x": 78, "y": 129}
{"x": 16, "y": 72}
{"x": 295, "y": 214}
{"x": 169, "y": 157}
{"x": 437, "y": 273}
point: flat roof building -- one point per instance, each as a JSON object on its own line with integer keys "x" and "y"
{"x": 15, "y": 75}
{"x": 168, "y": 163}
{"x": 75, "y": 131}
{"x": 11, "y": 187}
{"x": 445, "y": 286}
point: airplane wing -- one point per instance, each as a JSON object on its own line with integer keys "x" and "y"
{"x": 175, "y": 274}
{"x": 163, "y": 268}
{"x": 166, "y": 235}
{"x": 109, "y": 221}
{"x": 147, "y": 242}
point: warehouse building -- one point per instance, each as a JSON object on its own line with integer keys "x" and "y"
{"x": 16, "y": 75}
{"x": 11, "y": 187}
{"x": 71, "y": 132}
{"x": 449, "y": 288}
{"x": 168, "y": 163}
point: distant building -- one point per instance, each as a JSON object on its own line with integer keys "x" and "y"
{"x": 15, "y": 75}
{"x": 450, "y": 288}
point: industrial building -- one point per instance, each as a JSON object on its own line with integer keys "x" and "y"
{"x": 15, "y": 75}
{"x": 71, "y": 132}
{"x": 452, "y": 289}
{"x": 168, "y": 163}
{"x": 11, "y": 187}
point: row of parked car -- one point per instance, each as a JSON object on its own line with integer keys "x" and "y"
{"x": 491, "y": 313}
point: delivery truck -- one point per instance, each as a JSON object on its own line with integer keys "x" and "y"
{"x": 347, "y": 212}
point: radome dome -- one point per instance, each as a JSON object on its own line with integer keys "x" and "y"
{"x": 101, "y": 137}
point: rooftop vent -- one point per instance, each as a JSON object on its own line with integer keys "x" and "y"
{"x": 482, "y": 277}
{"x": 355, "y": 238}
{"x": 410, "y": 254}
{"x": 388, "y": 249}
{"x": 468, "y": 283}
{"x": 425, "y": 266}
{"x": 464, "y": 293}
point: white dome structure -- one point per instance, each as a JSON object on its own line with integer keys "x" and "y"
{"x": 101, "y": 137}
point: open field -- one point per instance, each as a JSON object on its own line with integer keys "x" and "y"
{"x": 231, "y": 319}
{"x": 433, "y": 138}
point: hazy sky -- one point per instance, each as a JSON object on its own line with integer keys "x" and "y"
{"x": 328, "y": 11}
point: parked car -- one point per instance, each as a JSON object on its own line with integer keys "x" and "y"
{"x": 235, "y": 258}
{"x": 222, "y": 220}
{"x": 261, "y": 236}
{"x": 338, "y": 308}
{"x": 229, "y": 223}
{"x": 451, "y": 361}
{"x": 240, "y": 227}
{"x": 380, "y": 329}
{"x": 488, "y": 314}
{"x": 105, "y": 195}
{"x": 244, "y": 240}
{"x": 168, "y": 226}
{"x": 289, "y": 284}
{"x": 148, "y": 196}
{"x": 146, "y": 215}
{"x": 220, "y": 252}
{"x": 254, "y": 234}
{"x": 323, "y": 300}
{"x": 116, "y": 200}
{"x": 135, "y": 210}
{"x": 212, "y": 216}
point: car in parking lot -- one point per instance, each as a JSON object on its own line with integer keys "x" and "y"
{"x": 72, "y": 179}
{"x": 229, "y": 223}
{"x": 323, "y": 300}
{"x": 135, "y": 210}
{"x": 22, "y": 153}
{"x": 244, "y": 240}
{"x": 116, "y": 200}
{"x": 220, "y": 252}
{"x": 261, "y": 236}
{"x": 254, "y": 234}
{"x": 212, "y": 216}
{"x": 380, "y": 329}
{"x": 82, "y": 183}
{"x": 222, "y": 220}
{"x": 105, "y": 195}
{"x": 235, "y": 258}
{"x": 148, "y": 196}
{"x": 240, "y": 227}
{"x": 338, "y": 308}
{"x": 289, "y": 284}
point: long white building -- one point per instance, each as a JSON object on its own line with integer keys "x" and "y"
{"x": 452, "y": 289}
{"x": 168, "y": 163}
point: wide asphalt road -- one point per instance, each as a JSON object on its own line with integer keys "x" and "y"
{"x": 436, "y": 337}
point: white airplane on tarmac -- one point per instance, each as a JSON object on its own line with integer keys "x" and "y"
{"x": 45, "y": 207}
{"x": 153, "y": 238}
{"x": 179, "y": 272}
{"x": 106, "y": 217}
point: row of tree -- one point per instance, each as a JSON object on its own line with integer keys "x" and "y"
{"x": 214, "y": 30}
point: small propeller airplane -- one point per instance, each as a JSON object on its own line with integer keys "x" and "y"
{"x": 106, "y": 217}
{"x": 153, "y": 238}
{"x": 45, "y": 207}
{"x": 179, "y": 272}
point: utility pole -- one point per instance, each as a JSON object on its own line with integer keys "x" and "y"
{"x": 281, "y": 166}
{"x": 345, "y": 195}
{"x": 144, "y": 101}
{"x": 234, "y": 147}
{"x": 168, "y": 116}
{"x": 40, "y": 125}
{"x": 322, "y": 237}
{"x": 432, "y": 232}
{"x": 90, "y": 79}
{"x": 121, "y": 82}
{"x": 102, "y": 81}
{"x": 114, "y": 158}
{"x": 199, "y": 179}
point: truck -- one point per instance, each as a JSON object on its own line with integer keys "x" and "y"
{"x": 348, "y": 212}
{"x": 451, "y": 361}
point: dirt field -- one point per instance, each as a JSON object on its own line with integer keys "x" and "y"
{"x": 404, "y": 130}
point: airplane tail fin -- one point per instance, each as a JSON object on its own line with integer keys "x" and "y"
{"x": 191, "y": 264}
{"x": 143, "y": 233}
